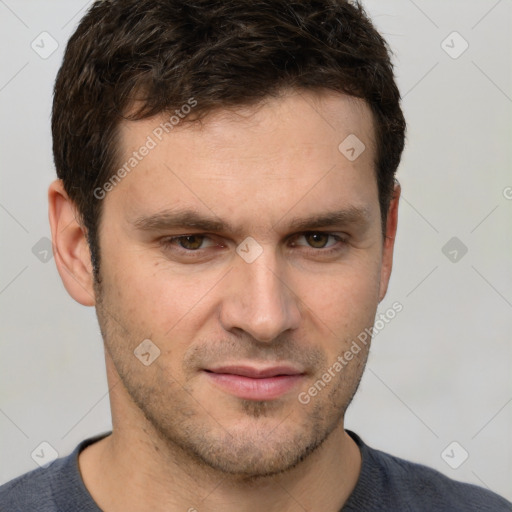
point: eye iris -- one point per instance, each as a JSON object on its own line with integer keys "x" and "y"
{"x": 317, "y": 240}
{"x": 191, "y": 242}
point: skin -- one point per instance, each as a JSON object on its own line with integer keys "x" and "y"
{"x": 180, "y": 442}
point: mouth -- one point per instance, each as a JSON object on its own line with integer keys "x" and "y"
{"x": 255, "y": 383}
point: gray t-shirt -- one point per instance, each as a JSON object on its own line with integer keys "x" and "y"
{"x": 386, "y": 483}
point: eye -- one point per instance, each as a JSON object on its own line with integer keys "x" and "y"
{"x": 189, "y": 242}
{"x": 318, "y": 240}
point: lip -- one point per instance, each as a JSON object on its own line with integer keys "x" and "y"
{"x": 253, "y": 383}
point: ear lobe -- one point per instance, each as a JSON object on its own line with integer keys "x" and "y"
{"x": 389, "y": 241}
{"x": 70, "y": 248}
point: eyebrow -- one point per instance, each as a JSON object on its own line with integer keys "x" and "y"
{"x": 172, "y": 219}
{"x": 352, "y": 215}
{"x": 179, "y": 219}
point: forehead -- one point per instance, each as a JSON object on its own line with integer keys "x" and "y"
{"x": 325, "y": 117}
{"x": 289, "y": 152}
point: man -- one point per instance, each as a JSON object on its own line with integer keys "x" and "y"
{"x": 226, "y": 200}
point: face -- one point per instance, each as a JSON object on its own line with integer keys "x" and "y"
{"x": 249, "y": 250}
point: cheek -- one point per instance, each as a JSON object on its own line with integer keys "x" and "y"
{"x": 344, "y": 300}
{"x": 157, "y": 302}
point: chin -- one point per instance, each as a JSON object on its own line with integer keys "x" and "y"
{"x": 254, "y": 448}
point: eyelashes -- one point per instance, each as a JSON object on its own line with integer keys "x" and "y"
{"x": 197, "y": 245}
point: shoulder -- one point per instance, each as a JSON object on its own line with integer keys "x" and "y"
{"x": 391, "y": 483}
{"x": 34, "y": 490}
{"x": 52, "y": 489}
{"x": 430, "y": 488}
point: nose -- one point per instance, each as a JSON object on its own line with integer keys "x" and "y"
{"x": 259, "y": 299}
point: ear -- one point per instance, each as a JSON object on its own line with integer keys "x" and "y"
{"x": 70, "y": 247}
{"x": 389, "y": 241}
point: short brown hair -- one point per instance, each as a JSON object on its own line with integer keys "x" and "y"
{"x": 222, "y": 54}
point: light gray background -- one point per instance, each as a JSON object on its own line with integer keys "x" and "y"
{"x": 439, "y": 372}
